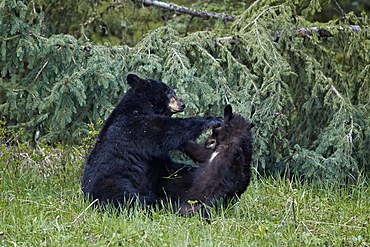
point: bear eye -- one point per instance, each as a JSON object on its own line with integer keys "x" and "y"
{"x": 166, "y": 90}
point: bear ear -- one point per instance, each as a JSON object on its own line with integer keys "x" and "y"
{"x": 135, "y": 82}
{"x": 228, "y": 112}
{"x": 252, "y": 125}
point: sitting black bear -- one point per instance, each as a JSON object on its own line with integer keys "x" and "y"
{"x": 132, "y": 150}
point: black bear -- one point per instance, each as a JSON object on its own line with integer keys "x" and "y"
{"x": 224, "y": 172}
{"x": 132, "y": 149}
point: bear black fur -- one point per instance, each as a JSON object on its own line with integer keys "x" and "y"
{"x": 132, "y": 149}
{"x": 224, "y": 173}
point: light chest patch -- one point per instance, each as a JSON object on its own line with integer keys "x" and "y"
{"x": 214, "y": 154}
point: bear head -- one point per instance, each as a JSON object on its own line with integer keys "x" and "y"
{"x": 156, "y": 95}
{"x": 233, "y": 126}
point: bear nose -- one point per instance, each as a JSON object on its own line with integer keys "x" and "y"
{"x": 182, "y": 105}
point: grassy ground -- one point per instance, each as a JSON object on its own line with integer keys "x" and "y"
{"x": 41, "y": 205}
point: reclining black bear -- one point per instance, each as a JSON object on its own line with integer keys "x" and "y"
{"x": 224, "y": 171}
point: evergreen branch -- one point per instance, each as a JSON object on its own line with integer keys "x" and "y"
{"x": 350, "y": 133}
{"x": 207, "y": 53}
{"x": 178, "y": 56}
{"x": 260, "y": 14}
{"x": 41, "y": 69}
{"x": 12, "y": 90}
{"x": 14, "y": 37}
{"x": 38, "y": 36}
{"x": 320, "y": 31}
{"x": 82, "y": 48}
{"x": 342, "y": 12}
{"x": 336, "y": 91}
{"x": 186, "y": 10}
{"x": 231, "y": 39}
{"x": 242, "y": 17}
{"x": 303, "y": 32}
{"x": 74, "y": 76}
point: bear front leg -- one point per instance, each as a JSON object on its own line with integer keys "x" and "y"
{"x": 198, "y": 152}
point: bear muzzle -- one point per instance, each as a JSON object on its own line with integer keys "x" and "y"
{"x": 176, "y": 105}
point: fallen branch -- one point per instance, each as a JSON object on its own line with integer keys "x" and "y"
{"x": 186, "y": 10}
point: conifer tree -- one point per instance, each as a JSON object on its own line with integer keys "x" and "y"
{"x": 305, "y": 84}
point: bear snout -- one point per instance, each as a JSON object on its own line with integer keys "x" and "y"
{"x": 181, "y": 105}
{"x": 176, "y": 105}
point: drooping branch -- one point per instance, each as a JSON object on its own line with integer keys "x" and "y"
{"x": 320, "y": 31}
{"x": 186, "y": 10}
{"x": 305, "y": 32}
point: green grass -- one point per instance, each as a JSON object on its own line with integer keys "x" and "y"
{"x": 41, "y": 205}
